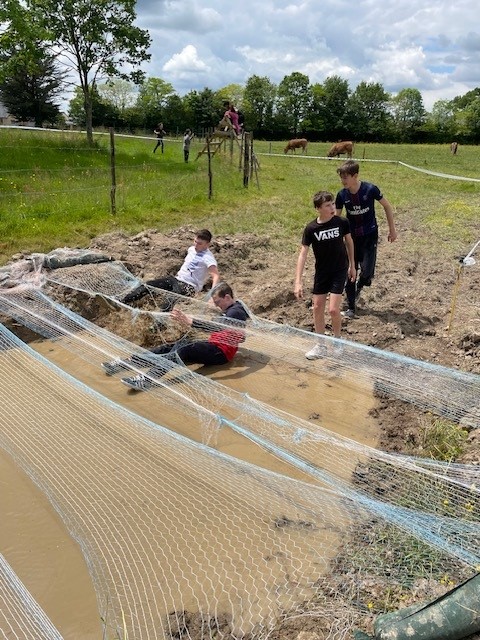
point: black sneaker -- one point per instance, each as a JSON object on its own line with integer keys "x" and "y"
{"x": 139, "y": 383}
{"x": 112, "y": 367}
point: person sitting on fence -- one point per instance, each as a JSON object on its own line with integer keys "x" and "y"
{"x": 231, "y": 115}
{"x": 220, "y": 347}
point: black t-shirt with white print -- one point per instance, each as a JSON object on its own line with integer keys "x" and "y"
{"x": 326, "y": 239}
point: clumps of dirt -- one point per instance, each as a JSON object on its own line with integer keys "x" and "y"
{"x": 469, "y": 343}
{"x": 472, "y": 449}
{"x": 185, "y": 624}
{"x": 399, "y": 425}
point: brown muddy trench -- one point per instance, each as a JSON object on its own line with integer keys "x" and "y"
{"x": 32, "y": 536}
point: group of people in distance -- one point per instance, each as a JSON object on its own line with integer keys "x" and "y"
{"x": 345, "y": 251}
{"x": 188, "y": 136}
{"x": 231, "y": 115}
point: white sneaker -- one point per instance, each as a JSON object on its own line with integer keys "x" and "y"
{"x": 113, "y": 366}
{"x": 348, "y": 313}
{"x": 139, "y": 382}
{"x": 318, "y": 351}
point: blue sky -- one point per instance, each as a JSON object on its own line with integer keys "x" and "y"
{"x": 431, "y": 46}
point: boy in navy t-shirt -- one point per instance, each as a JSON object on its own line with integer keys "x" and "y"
{"x": 358, "y": 198}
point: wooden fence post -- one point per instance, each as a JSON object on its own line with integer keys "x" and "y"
{"x": 113, "y": 186}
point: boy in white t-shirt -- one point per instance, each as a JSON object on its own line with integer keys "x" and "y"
{"x": 198, "y": 266}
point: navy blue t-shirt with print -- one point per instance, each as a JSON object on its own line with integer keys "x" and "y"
{"x": 360, "y": 208}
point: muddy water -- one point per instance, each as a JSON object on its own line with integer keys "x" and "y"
{"x": 33, "y": 538}
{"x": 50, "y": 564}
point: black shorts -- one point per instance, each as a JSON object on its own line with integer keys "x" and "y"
{"x": 330, "y": 282}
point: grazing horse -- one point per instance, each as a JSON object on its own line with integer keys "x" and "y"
{"x": 338, "y": 148}
{"x": 296, "y": 143}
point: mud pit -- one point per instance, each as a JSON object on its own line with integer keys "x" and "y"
{"x": 405, "y": 311}
{"x": 408, "y": 309}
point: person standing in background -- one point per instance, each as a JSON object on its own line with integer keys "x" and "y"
{"x": 160, "y": 132}
{"x": 187, "y": 139}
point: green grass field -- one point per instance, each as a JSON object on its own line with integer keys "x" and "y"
{"x": 55, "y": 190}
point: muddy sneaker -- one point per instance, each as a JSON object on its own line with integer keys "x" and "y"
{"x": 139, "y": 383}
{"x": 112, "y": 367}
{"x": 349, "y": 314}
{"x": 318, "y": 351}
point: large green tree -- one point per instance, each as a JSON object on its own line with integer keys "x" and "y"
{"x": 174, "y": 115}
{"x": 441, "y": 122}
{"x": 104, "y": 113}
{"x": 329, "y": 108}
{"x": 368, "y": 112}
{"x": 233, "y": 93}
{"x": 204, "y": 109}
{"x": 460, "y": 102}
{"x": 472, "y": 120}
{"x": 153, "y": 97}
{"x": 294, "y": 101}
{"x": 97, "y": 38}
{"x": 408, "y": 113}
{"x": 30, "y": 92}
{"x": 258, "y": 103}
{"x": 118, "y": 92}
{"x": 30, "y": 80}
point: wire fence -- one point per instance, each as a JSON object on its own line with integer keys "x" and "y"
{"x": 99, "y": 176}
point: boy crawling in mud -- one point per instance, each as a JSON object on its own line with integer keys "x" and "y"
{"x": 220, "y": 347}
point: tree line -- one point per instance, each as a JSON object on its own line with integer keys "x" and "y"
{"x": 47, "y": 45}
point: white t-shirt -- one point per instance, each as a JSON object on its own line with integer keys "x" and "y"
{"x": 194, "y": 269}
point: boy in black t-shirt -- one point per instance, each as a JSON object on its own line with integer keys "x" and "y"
{"x": 329, "y": 236}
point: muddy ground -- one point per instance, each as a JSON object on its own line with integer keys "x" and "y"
{"x": 421, "y": 303}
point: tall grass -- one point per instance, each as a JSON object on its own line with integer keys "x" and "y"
{"x": 55, "y": 189}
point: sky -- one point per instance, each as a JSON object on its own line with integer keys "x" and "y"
{"x": 432, "y": 46}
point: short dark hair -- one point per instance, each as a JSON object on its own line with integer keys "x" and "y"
{"x": 320, "y": 197}
{"x": 223, "y": 289}
{"x": 204, "y": 234}
{"x": 348, "y": 168}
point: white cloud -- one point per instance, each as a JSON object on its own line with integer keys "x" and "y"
{"x": 432, "y": 46}
{"x": 185, "y": 61}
